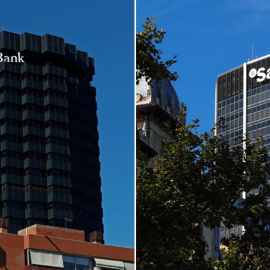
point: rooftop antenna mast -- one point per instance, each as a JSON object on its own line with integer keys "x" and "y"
{"x": 252, "y": 52}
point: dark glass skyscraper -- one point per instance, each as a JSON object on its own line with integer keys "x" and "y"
{"x": 243, "y": 107}
{"x": 50, "y": 171}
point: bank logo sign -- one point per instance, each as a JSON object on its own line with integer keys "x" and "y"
{"x": 12, "y": 59}
{"x": 262, "y": 74}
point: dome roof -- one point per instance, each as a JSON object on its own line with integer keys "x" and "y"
{"x": 163, "y": 90}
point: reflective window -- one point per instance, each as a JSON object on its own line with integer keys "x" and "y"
{"x": 77, "y": 263}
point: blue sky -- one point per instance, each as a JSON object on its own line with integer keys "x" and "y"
{"x": 104, "y": 29}
{"x": 209, "y": 37}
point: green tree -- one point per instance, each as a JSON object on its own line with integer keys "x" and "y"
{"x": 234, "y": 259}
{"x": 197, "y": 182}
{"x": 148, "y": 57}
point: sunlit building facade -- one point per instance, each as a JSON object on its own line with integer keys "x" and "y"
{"x": 243, "y": 108}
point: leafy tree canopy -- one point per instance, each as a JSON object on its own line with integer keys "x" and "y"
{"x": 234, "y": 259}
{"x": 197, "y": 182}
{"x": 148, "y": 57}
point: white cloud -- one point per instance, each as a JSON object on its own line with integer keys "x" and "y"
{"x": 160, "y": 7}
{"x": 250, "y": 5}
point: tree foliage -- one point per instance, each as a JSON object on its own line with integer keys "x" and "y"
{"x": 234, "y": 259}
{"x": 197, "y": 182}
{"x": 148, "y": 57}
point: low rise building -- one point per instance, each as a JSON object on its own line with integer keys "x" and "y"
{"x": 41, "y": 247}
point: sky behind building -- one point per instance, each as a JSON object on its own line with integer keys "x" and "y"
{"x": 209, "y": 37}
{"x": 104, "y": 29}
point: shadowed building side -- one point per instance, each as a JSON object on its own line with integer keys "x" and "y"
{"x": 50, "y": 171}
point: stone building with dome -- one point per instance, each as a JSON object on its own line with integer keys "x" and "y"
{"x": 156, "y": 104}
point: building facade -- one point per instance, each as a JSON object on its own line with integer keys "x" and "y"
{"x": 50, "y": 171}
{"x": 243, "y": 109}
{"x": 156, "y": 104}
{"x": 41, "y": 247}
